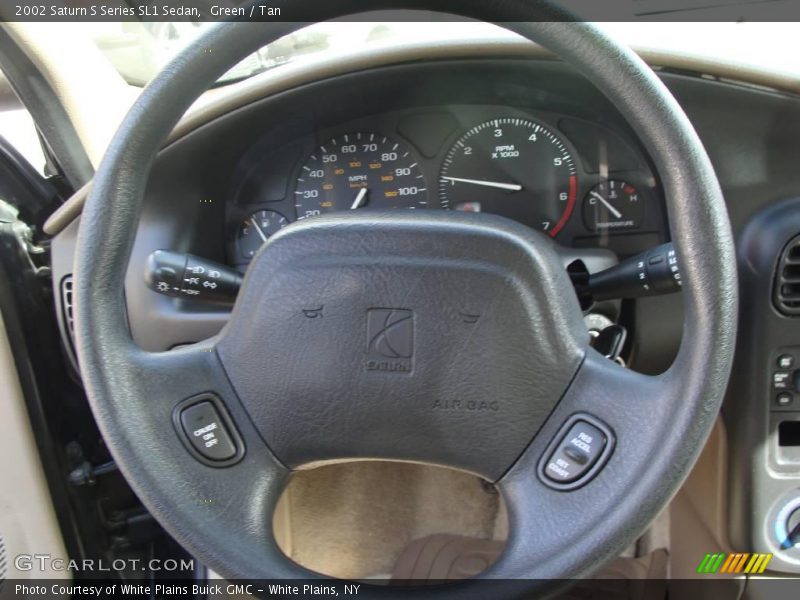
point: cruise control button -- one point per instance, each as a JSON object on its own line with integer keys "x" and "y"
{"x": 576, "y": 453}
{"x": 206, "y": 431}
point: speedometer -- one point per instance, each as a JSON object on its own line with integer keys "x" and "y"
{"x": 512, "y": 167}
{"x": 356, "y": 171}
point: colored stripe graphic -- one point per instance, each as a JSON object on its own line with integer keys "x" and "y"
{"x": 738, "y": 562}
{"x": 759, "y": 565}
{"x": 714, "y": 566}
{"x": 755, "y": 559}
{"x": 711, "y": 563}
{"x": 727, "y": 565}
{"x": 703, "y": 563}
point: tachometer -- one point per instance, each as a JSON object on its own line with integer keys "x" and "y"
{"x": 359, "y": 170}
{"x": 512, "y": 167}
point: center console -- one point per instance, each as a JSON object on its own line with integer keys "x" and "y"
{"x": 762, "y": 409}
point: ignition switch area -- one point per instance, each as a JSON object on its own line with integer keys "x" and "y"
{"x": 787, "y": 526}
{"x": 782, "y": 532}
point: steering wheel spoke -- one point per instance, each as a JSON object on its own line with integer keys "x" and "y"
{"x": 230, "y": 499}
{"x": 180, "y": 372}
{"x": 188, "y": 388}
{"x": 543, "y": 512}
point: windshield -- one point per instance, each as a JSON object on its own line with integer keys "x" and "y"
{"x": 139, "y": 50}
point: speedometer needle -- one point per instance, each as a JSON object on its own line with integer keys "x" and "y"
{"x": 362, "y": 194}
{"x": 258, "y": 229}
{"x": 607, "y": 204}
{"x": 514, "y": 187}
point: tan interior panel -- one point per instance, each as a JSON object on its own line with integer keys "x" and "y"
{"x": 28, "y": 522}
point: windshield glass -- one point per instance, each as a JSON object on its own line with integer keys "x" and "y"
{"x": 139, "y": 50}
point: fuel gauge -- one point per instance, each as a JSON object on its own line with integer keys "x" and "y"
{"x": 613, "y": 205}
{"x": 256, "y": 230}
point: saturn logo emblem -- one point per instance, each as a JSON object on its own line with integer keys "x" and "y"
{"x": 390, "y": 339}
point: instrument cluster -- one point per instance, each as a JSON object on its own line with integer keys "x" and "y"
{"x": 581, "y": 183}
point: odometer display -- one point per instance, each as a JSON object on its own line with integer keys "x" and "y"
{"x": 512, "y": 167}
{"x": 359, "y": 171}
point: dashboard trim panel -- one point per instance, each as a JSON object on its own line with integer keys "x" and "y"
{"x": 221, "y": 101}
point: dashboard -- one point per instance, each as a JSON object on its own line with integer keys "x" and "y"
{"x": 570, "y": 178}
{"x": 529, "y": 140}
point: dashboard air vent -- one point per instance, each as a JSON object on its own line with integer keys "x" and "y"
{"x": 787, "y": 279}
{"x": 67, "y": 301}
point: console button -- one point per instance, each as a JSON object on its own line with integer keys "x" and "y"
{"x": 206, "y": 431}
{"x": 781, "y": 380}
{"x": 783, "y": 399}
{"x": 785, "y": 361}
{"x": 577, "y": 452}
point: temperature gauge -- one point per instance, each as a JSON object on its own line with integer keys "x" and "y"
{"x": 612, "y": 205}
{"x": 468, "y": 206}
{"x": 256, "y": 230}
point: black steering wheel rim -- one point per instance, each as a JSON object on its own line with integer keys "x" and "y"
{"x": 660, "y": 422}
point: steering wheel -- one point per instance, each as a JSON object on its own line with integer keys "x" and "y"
{"x": 389, "y": 367}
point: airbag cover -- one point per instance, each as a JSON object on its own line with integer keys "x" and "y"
{"x": 437, "y": 337}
